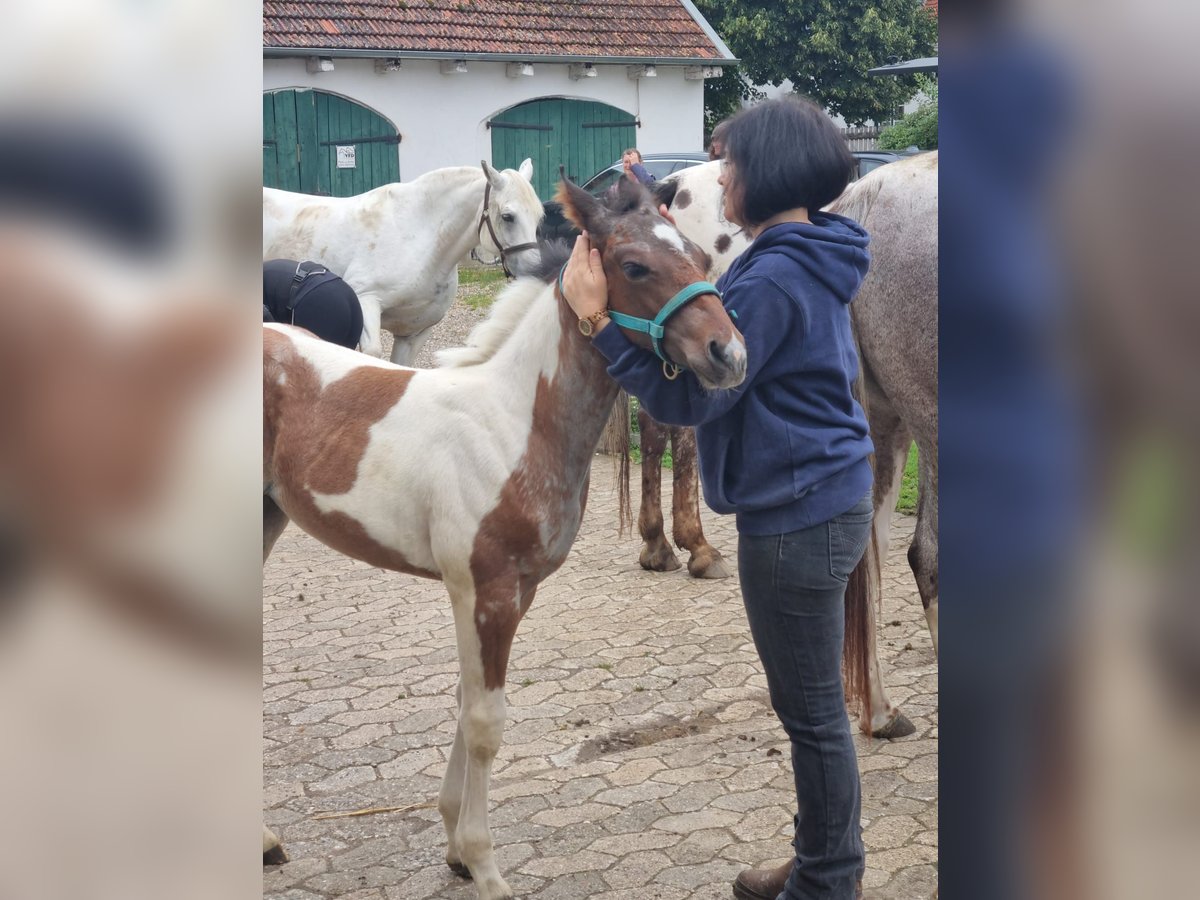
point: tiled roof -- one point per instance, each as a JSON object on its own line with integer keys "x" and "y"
{"x": 932, "y": 5}
{"x": 662, "y": 29}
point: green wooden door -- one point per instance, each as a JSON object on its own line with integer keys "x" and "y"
{"x": 583, "y": 136}
{"x": 320, "y": 143}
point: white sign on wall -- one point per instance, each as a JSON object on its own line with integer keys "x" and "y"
{"x": 345, "y": 156}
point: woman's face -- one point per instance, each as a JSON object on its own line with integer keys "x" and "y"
{"x": 727, "y": 179}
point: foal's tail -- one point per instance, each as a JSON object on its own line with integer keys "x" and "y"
{"x": 862, "y": 591}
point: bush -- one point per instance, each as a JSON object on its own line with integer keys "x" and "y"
{"x": 919, "y": 128}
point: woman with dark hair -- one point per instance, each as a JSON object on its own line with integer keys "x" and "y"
{"x": 787, "y": 452}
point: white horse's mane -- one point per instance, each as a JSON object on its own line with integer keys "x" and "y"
{"x": 488, "y": 336}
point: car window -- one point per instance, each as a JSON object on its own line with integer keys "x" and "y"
{"x": 868, "y": 165}
{"x": 684, "y": 164}
{"x": 660, "y": 168}
{"x": 604, "y": 181}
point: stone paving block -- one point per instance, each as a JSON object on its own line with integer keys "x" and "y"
{"x": 359, "y": 676}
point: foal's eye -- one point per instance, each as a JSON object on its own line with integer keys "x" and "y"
{"x": 507, "y": 217}
{"x": 635, "y": 270}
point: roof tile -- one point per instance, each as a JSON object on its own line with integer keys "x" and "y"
{"x": 631, "y": 28}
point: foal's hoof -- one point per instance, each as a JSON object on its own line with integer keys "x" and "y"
{"x": 711, "y": 565}
{"x": 274, "y": 856}
{"x": 658, "y": 559}
{"x": 459, "y": 869}
{"x": 897, "y": 727}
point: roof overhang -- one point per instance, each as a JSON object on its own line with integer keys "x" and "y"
{"x": 302, "y": 52}
{"x": 924, "y": 64}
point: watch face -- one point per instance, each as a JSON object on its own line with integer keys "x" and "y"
{"x": 585, "y": 327}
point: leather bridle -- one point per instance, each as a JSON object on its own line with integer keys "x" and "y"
{"x": 485, "y": 219}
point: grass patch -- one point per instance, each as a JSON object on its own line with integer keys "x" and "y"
{"x": 478, "y": 286}
{"x": 907, "y": 502}
{"x": 481, "y": 275}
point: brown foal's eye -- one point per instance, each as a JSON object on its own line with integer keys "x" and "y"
{"x": 635, "y": 270}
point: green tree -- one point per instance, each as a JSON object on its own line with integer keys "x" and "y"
{"x": 824, "y": 47}
{"x": 920, "y": 127}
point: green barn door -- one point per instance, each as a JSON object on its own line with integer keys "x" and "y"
{"x": 320, "y": 143}
{"x": 583, "y": 136}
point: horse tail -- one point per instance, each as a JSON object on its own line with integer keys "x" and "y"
{"x": 617, "y": 440}
{"x": 863, "y": 589}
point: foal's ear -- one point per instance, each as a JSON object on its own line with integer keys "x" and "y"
{"x": 583, "y": 210}
{"x": 526, "y": 169}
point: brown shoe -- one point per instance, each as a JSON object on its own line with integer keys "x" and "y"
{"x": 767, "y": 884}
{"x": 762, "y": 884}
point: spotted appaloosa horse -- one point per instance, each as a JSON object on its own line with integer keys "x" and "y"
{"x": 896, "y": 326}
{"x": 516, "y": 417}
{"x": 399, "y": 245}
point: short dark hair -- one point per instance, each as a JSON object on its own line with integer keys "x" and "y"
{"x": 634, "y": 150}
{"x": 785, "y": 153}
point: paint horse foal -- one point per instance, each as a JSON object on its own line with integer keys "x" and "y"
{"x": 399, "y": 245}
{"x": 896, "y": 327}
{"x": 516, "y": 416}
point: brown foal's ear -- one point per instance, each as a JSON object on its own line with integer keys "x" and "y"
{"x": 583, "y": 210}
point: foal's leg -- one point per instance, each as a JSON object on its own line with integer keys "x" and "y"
{"x": 275, "y": 520}
{"x": 891, "y": 441}
{"x": 923, "y": 554}
{"x": 483, "y": 648}
{"x": 657, "y": 555}
{"x": 451, "y": 795}
{"x": 688, "y": 533}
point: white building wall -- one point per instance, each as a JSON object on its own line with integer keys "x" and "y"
{"x": 442, "y": 118}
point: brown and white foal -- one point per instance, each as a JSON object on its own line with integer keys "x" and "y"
{"x": 476, "y": 473}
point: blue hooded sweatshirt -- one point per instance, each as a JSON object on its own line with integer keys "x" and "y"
{"x": 787, "y": 449}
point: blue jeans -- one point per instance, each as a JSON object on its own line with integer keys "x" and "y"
{"x": 794, "y": 586}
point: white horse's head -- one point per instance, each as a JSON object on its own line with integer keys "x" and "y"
{"x": 511, "y": 215}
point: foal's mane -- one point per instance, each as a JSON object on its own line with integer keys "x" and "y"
{"x": 509, "y": 309}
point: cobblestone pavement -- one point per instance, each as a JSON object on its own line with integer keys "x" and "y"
{"x": 640, "y": 760}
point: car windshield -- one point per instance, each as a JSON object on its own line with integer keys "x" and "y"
{"x": 604, "y": 181}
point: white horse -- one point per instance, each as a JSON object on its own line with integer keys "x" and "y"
{"x": 896, "y": 325}
{"x": 399, "y": 245}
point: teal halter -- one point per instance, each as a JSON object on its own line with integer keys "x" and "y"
{"x": 655, "y": 328}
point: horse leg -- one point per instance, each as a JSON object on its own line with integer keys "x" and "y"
{"x": 657, "y": 555}
{"x": 275, "y": 520}
{"x": 686, "y": 529}
{"x": 372, "y": 309}
{"x": 483, "y": 647}
{"x": 273, "y": 854}
{"x": 406, "y": 346}
{"x": 451, "y": 795}
{"x": 891, "y": 441}
{"x": 923, "y": 553}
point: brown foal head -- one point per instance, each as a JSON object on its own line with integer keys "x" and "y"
{"x": 647, "y": 262}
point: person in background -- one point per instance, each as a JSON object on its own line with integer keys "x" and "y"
{"x": 309, "y": 295}
{"x": 787, "y": 452}
{"x": 634, "y": 170}
{"x": 716, "y": 140}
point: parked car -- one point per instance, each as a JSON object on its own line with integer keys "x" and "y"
{"x": 660, "y": 165}
{"x": 869, "y": 160}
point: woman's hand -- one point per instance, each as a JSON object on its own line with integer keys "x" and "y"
{"x": 584, "y": 286}
{"x": 666, "y": 214}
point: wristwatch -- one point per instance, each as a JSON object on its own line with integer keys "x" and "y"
{"x": 587, "y": 326}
